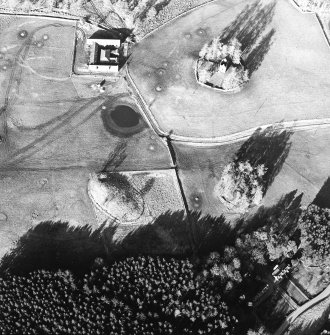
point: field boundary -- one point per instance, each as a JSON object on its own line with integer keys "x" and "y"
{"x": 307, "y": 11}
{"x": 176, "y": 17}
{"x": 298, "y": 125}
{"x": 148, "y": 116}
{"x": 183, "y": 14}
{"x": 37, "y": 13}
{"x": 302, "y": 309}
{"x": 317, "y": 15}
{"x": 325, "y": 34}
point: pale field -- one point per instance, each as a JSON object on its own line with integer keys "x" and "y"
{"x": 200, "y": 170}
{"x": 83, "y": 140}
{"x": 305, "y": 169}
{"x": 162, "y": 196}
{"x": 289, "y": 85}
{"x": 30, "y": 197}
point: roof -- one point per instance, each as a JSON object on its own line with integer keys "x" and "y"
{"x": 104, "y": 42}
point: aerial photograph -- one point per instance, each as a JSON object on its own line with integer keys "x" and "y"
{"x": 165, "y": 167}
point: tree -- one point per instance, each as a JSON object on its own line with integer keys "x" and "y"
{"x": 140, "y": 295}
{"x": 214, "y": 53}
{"x": 314, "y": 224}
{"x": 273, "y": 232}
{"x": 252, "y": 248}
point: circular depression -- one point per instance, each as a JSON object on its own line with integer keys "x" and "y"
{"x": 122, "y": 119}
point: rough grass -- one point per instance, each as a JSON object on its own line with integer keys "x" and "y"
{"x": 312, "y": 321}
{"x": 189, "y": 109}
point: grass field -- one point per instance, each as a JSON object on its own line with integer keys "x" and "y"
{"x": 289, "y": 84}
{"x": 83, "y": 140}
{"x": 200, "y": 170}
{"x": 31, "y": 197}
{"x": 57, "y": 133}
{"x": 312, "y": 321}
{"x": 306, "y": 169}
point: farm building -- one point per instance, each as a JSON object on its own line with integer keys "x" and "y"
{"x": 104, "y": 55}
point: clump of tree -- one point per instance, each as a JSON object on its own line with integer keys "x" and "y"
{"x": 245, "y": 181}
{"x": 275, "y": 238}
{"x": 220, "y": 65}
{"x": 240, "y": 186}
{"x": 224, "y": 270}
{"x": 318, "y": 6}
{"x": 314, "y": 225}
{"x": 142, "y": 295}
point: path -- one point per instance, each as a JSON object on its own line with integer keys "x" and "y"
{"x": 299, "y": 125}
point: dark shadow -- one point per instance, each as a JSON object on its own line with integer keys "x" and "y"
{"x": 283, "y": 216}
{"x": 113, "y": 33}
{"x": 58, "y": 245}
{"x": 210, "y": 233}
{"x": 123, "y": 33}
{"x": 175, "y": 234}
{"x": 143, "y": 14}
{"x": 258, "y": 53}
{"x": 105, "y": 34}
{"x": 322, "y": 198}
{"x": 161, "y": 5}
{"x": 249, "y": 28}
{"x": 115, "y": 158}
{"x": 269, "y": 147}
{"x": 250, "y": 24}
{"x": 273, "y": 310}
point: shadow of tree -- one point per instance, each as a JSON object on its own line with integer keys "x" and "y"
{"x": 283, "y": 215}
{"x": 269, "y": 147}
{"x": 256, "y": 56}
{"x": 160, "y": 5}
{"x": 176, "y": 234}
{"x": 273, "y": 310}
{"x": 105, "y": 34}
{"x": 57, "y": 245}
{"x": 322, "y": 198}
{"x": 249, "y": 28}
{"x": 116, "y": 157}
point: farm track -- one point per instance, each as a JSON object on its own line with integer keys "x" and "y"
{"x": 299, "y": 125}
{"x": 54, "y": 120}
{"x": 59, "y": 126}
{"x": 15, "y": 77}
{"x": 299, "y": 311}
{"x": 74, "y": 119}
